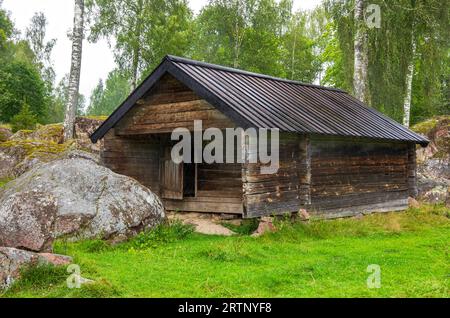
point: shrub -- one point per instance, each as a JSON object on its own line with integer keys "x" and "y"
{"x": 247, "y": 227}
{"x": 24, "y": 120}
{"x": 98, "y": 289}
{"x": 170, "y": 231}
{"x": 39, "y": 277}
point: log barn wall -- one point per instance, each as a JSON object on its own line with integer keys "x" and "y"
{"x": 135, "y": 146}
{"x": 354, "y": 176}
{"x": 134, "y": 157}
{"x": 267, "y": 194}
{"x": 169, "y": 105}
{"x": 328, "y": 176}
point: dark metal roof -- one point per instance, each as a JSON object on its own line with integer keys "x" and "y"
{"x": 256, "y": 100}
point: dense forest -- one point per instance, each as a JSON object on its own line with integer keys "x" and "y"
{"x": 394, "y": 55}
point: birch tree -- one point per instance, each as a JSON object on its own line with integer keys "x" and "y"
{"x": 75, "y": 70}
{"x": 141, "y": 31}
{"x": 409, "y": 81}
{"x": 360, "y": 74}
{"x": 35, "y": 35}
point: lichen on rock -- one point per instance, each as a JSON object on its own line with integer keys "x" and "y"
{"x": 12, "y": 261}
{"x": 74, "y": 198}
{"x": 433, "y": 162}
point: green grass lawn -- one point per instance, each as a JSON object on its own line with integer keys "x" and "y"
{"x": 315, "y": 259}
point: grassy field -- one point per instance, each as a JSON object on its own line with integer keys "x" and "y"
{"x": 315, "y": 259}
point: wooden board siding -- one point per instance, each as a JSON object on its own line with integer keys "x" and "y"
{"x": 412, "y": 170}
{"x": 220, "y": 180}
{"x": 349, "y": 177}
{"x": 134, "y": 157}
{"x": 206, "y": 204}
{"x": 168, "y": 106}
{"x": 279, "y": 193}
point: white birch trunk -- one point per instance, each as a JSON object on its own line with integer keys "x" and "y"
{"x": 409, "y": 79}
{"x": 293, "y": 49}
{"x": 75, "y": 70}
{"x": 360, "y": 82}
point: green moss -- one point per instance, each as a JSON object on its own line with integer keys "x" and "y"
{"x": 4, "y": 134}
{"x": 7, "y": 126}
{"x": 426, "y": 126}
{"x": 26, "y": 131}
{"x": 4, "y": 181}
{"x": 51, "y": 132}
{"x": 103, "y": 118}
{"x": 32, "y": 147}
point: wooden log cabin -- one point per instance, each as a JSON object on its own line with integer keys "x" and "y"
{"x": 337, "y": 156}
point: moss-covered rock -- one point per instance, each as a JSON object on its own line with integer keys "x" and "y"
{"x": 28, "y": 148}
{"x": 5, "y": 133}
{"x": 84, "y": 127}
{"x": 4, "y": 181}
{"x": 74, "y": 199}
{"x": 437, "y": 130}
{"x": 98, "y": 118}
{"x": 53, "y": 133}
{"x": 17, "y": 156}
{"x": 434, "y": 161}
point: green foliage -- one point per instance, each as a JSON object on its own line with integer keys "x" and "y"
{"x": 95, "y": 246}
{"x": 247, "y": 226}
{"x": 6, "y": 30}
{"x": 230, "y": 251}
{"x": 313, "y": 259}
{"x": 143, "y": 31}
{"x": 171, "y": 231}
{"x": 51, "y": 281}
{"x": 24, "y": 120}
{"x": 300, "y": 61}
{"x": 40, "y": 277}
{"x": 4, "y": 181}
{"x": 262, "y": 36}
{"x": 104, "y": 100}
{"x": 35, "y": 36}
{"x": 20, "y": 83}
{"x": 58, "y": 102}
{"x": 390, "y": 52}
{"x": 98, "y": 289}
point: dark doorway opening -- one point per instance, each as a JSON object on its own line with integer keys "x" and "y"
{"x": 189, "y": 179}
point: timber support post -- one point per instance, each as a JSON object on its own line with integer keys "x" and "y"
{"x": 412, "y": 171}
{"x": 305, "y": 172}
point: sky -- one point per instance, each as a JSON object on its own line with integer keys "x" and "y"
{"x": 59, "y": 15}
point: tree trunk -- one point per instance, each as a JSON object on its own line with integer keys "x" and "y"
{"x": 360, "y": 82}
{"x": 236, "y": 40}
{"x": 137, "y": 45}
{"x": 75, "y": 70}
{"x": 409, "y": 79}
{"x": 293, "y": 49}
{"x": 135, "y": 66}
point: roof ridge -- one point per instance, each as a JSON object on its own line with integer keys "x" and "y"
{"x": 184, "y": 60}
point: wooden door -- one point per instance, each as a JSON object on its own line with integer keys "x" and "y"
{"x": 171, "y": 177}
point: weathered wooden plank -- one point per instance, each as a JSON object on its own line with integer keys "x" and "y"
{"x": 412, "y": 171}
{"x": 201, "y": 206}
{"x": 386, "y": 206}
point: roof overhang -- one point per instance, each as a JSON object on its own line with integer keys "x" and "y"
{"x": 182, "y": 70}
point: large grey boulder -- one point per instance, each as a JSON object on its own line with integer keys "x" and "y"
{"x": 13, "y": 260}
{"x": 74, "y": 198}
